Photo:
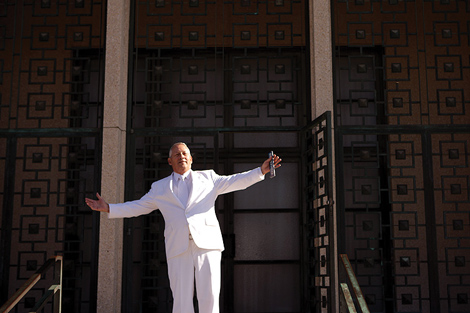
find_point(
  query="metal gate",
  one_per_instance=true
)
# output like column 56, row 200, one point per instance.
column 405, row 209
column 401, row 133
column 51, row 102
column 229, row 78
column 302, row 265
column 45, row 179
column 319, row 237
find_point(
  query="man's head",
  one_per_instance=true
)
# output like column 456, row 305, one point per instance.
column 180, row 158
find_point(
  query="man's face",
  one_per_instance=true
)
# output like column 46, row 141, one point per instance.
column 180, row 159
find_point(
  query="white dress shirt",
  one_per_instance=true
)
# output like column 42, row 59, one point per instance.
column 183, row 186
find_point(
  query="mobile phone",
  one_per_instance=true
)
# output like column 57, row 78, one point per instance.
column 272, row 170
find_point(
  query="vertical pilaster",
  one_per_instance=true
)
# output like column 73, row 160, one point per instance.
column 321, row 53
column 113, row 160
column 322, row 99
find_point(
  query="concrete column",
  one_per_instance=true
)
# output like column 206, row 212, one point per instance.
column 321, row 53
column 114, row 151
column 322, row 99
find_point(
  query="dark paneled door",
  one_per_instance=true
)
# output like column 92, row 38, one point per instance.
column 229, row 79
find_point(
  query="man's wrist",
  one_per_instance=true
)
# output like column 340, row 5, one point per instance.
column 261, row 172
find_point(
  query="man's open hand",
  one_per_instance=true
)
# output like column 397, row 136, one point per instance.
column 98, row 205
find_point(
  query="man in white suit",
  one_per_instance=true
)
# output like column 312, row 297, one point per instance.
column 193, row 240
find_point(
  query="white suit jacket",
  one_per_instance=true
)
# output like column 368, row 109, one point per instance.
column 198, row 217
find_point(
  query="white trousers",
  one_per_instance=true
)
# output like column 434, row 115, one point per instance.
column 202, row 266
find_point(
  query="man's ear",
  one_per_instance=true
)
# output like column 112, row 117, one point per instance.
column 169, row 161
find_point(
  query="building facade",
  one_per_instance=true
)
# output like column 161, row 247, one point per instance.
column 367, row 102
